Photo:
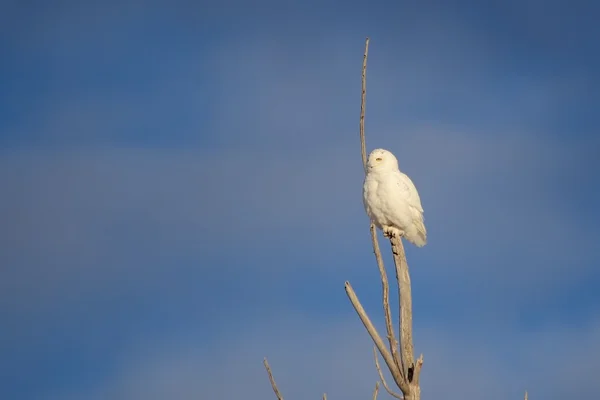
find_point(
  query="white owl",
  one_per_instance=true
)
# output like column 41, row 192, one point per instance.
column 391, row 199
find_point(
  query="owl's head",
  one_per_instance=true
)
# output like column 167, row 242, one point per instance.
column 381, row 160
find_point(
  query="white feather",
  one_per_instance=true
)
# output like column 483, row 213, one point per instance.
column 391, row 199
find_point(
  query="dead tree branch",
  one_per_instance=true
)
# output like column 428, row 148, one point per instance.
column 404, row 369
column 363, row 103
column 376, row 391
column 387, row 357
column 273, row 384
column 410, row 369
column 391, row 336
column 400, row 356
column 382, row 378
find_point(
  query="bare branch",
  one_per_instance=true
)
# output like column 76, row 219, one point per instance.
column 376, row 391
column 273, row 384
column 382, row 378
column 417, row 372
column 405, row 300
column 391, row 336
column 402, row 367
column 387, row 357
column 526, row 395
column 363, row 101
column 324, row 396
column 389, row 326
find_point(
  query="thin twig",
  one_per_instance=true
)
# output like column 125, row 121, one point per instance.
column 526, row 395
column 389, row 325
column 376, row 391
column 381, row 377
column 391, row 336
column 324, row 396
column 363, row 101
column 273, row 384
column 387, row 357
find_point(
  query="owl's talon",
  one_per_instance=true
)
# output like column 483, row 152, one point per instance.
column 390, row 232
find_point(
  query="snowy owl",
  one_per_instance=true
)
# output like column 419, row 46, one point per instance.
column 391, row 199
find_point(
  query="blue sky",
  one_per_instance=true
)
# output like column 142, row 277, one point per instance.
column 181, row 196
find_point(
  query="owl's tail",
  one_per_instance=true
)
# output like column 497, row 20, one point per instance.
column 417, row 234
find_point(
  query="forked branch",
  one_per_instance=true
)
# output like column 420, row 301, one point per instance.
column 387, row 357
column 381, row 377
column 393, row 343
column 403, row 367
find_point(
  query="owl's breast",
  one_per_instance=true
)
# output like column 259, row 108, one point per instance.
column 374, row 202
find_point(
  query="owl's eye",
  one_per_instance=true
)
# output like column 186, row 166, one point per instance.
column 378, row 159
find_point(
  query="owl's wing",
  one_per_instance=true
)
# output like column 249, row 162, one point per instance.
column 409, row 191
